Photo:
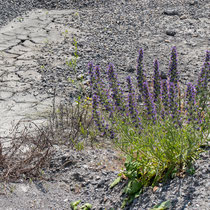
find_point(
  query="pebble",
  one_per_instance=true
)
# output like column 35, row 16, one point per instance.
column 80, row 76
column 171, row 12
column 101, row 183
column 170, row 33
column 183, row 17
column 194, row 2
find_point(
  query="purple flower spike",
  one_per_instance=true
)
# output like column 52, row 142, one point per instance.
column 162, row 114
column 191, row 107
column 133, row 112
column 117, row 93
column 97, row 72
column 131, row 99
column 95, row 112
column 151, row 110
column 111, row 76
column 164, row 94
column 156, row 81
column 207, row 59
column 190, row 93
column 202, row 83
column 112, row 134
column 172, row 100
column 173, row 72
column 204, row 75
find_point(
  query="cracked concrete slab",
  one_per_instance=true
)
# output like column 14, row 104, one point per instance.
column 20, row 44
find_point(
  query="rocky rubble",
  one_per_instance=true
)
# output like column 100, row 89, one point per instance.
column 33, row 65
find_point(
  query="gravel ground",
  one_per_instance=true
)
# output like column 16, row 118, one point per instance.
column 87, row 176
column 12, row 8
column 113, row 31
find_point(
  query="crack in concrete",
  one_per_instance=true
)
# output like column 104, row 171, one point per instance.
column 20, row 43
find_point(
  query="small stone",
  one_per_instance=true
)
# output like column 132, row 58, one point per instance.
column 83, row 184
column 104, row 173
column 24, row 188
column 170, row 12
column 80, row 77
column 85, row 166
column 86, row 82
column 196, row 183
column 167, row 41
column 183, row 17
column 193, row 44
column 170, row 33
column 101, row 184
column 192, row 3
column 78, row 177
column 87, row 183
column 163, row 75
column 88, row 49
column 105, row 199
column 130, row 69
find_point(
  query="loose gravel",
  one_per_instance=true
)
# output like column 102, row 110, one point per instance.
column 113, row 31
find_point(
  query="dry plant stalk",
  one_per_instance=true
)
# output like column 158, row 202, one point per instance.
column 27, row 153
column 65, row 123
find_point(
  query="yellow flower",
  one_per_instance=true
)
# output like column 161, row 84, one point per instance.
column 88, row 99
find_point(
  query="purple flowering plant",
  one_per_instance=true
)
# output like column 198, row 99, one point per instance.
column 156, row 82
column 156, row 133
column 202, row 86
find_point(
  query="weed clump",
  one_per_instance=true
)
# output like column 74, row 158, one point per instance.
column 26, row 153
column 161, row 128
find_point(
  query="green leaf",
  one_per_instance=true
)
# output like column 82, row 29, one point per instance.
column 133, row 187
column 162, row 206
column 129, row 200
column 125, row 201
column 115, row 182
column 86, row 206
column 74, row 204
column 82, row 129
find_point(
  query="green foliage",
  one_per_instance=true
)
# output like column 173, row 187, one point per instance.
column 86, row 206
column 159, row 148
column 74, row 205
column 79, row 146
column 115, row 182
column 162, row 137
column 162, row 206
column 159, row 152
column 73, row 62
column 190, row 170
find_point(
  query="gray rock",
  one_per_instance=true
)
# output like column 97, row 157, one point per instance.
column 193, row 2
column 80, row 76
column 101, row 184
column 171, row 12
column 170, row 32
